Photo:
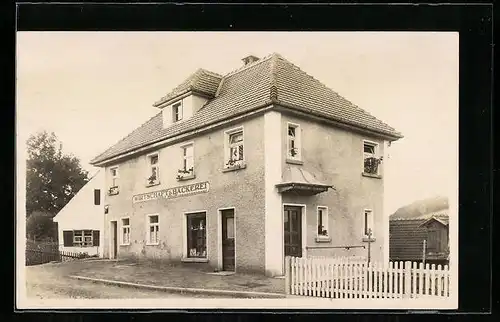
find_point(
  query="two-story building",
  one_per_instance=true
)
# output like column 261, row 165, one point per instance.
column 241, row 170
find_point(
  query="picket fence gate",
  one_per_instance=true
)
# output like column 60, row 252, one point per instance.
column 340, row 279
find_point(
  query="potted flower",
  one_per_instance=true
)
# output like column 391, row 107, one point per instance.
column 233, row 163
column 184, row 173
column 371, row 165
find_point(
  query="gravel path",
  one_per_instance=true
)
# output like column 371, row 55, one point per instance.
column 50, row 281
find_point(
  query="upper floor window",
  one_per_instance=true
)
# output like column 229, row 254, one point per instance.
column 177, row 112
column 371, row 160
column 114, row 176
column 153, row 174
column 97, row 197
column 187, row 168
column 234, row 148
column 113, row 190
column 293, row 142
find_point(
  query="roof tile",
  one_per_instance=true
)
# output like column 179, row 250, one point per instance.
column 265, row 81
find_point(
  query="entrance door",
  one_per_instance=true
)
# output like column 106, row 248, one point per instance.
column 114, row 241
column 293, row 231
column 228, row 240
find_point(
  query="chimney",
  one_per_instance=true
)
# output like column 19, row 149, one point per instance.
column 250, row 59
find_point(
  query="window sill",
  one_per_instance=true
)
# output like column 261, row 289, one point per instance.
column 125, row 244
column 152, row 244
column 186, row 177
column 366, row 239
column 294, row 161
column 370, row 175
column 152, row 184
column 234, row 167
column 323, row 239
column 194, row 260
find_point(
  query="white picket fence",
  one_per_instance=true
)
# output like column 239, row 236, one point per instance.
column 339, row 259
column 335, row 278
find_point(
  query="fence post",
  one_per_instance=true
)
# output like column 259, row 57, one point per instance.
column 407, row 278
column 287, row 275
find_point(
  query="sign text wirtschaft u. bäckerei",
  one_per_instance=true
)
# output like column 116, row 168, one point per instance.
column 175, row 192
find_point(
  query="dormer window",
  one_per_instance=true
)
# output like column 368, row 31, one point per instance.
column 177, row 112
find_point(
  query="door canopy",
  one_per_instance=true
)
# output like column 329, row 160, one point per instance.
column 301, row 182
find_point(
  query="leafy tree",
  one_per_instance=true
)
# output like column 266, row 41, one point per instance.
column 39, row 226
column 52, row 177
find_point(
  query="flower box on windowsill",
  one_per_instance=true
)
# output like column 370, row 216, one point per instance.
column 113, row 191
column 236, row 166
column 323, row 239
column 185, row 177
column 371, row 175
column 194, row 260
column 367, row 239
column 152, row 183
column 294, row 161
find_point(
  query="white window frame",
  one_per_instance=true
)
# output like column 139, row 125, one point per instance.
column 186, row 242
column 325, row 221
column 150, row 167
column 375, row 155
column 370, row 221
column 122, row 231
column 228, row 146
column 297, row 142
column 82, row 242
column 184, row 157
column 180, row 111
column 114, row 178
column 149, row 224
column 77, row 243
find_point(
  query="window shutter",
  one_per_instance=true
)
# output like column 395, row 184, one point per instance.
column 240, row 152
column 97, row 197
column 95, row 237
column 68, row 238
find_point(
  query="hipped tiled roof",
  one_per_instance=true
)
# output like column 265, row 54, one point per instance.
column 269, row 81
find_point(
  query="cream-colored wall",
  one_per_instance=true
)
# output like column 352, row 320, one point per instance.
column 273, row 205
column 242, row 189
column 335, row 156
column 80, row 213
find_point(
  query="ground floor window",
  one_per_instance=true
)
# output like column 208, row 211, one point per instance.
column 81, row 238
column 154, row 230
column 125, row 231
column 196, row 235
column 368, row 224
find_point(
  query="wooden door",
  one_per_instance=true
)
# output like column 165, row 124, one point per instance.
column 293, row 231
column 228, row 239
column 114, row 239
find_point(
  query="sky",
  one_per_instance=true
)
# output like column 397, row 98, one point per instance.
column 94, row 88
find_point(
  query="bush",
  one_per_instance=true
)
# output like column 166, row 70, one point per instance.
column 40, row 227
